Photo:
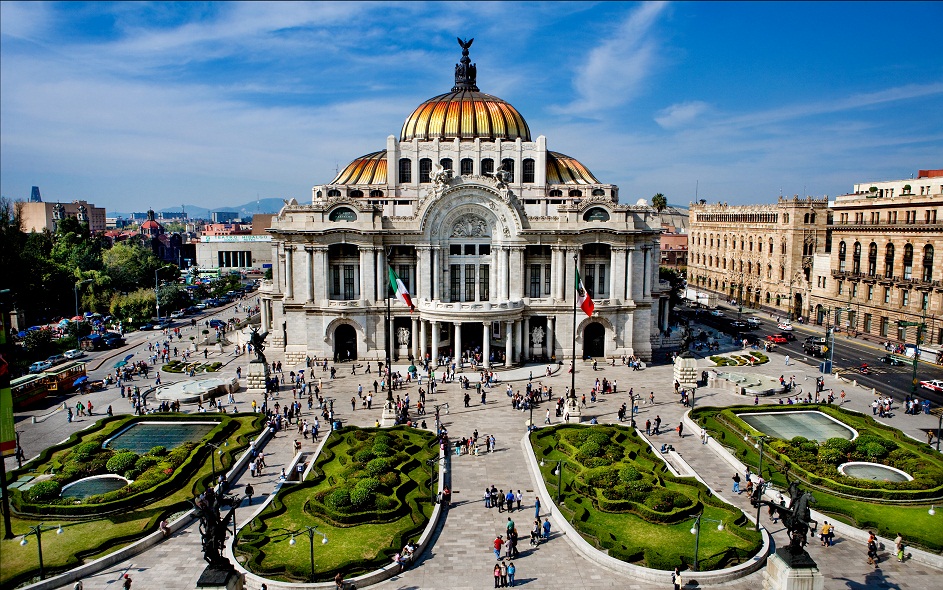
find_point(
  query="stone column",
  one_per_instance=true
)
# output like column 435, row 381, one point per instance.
column 368, row 274
column 435, row 343
column 516, row 274
column 630, row 274
column 424, row 273
column 517, row 342
column 550, row 348
column 289, row 273
column 321, row 272
column 276, row 268
column 508, row 343
column 486, row 347
column 414, row 336
column 569, row 287
column 422, row 340
column 525, row 340
column 382, row 274
column 616, row 282
column 309, row 274
column 457, row 345
column 556, row 272
column 505, row 278
column 265, row 315
column 436, row 273
column 646, row 273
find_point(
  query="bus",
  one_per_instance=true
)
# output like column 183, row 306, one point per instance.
column 208, row 273
column 30, row 389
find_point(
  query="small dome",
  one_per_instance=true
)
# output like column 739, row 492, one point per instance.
column 641, row 203
column 368, row 169
column 562, row 169
column 465, row 114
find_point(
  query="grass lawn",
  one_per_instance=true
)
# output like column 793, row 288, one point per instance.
column 84, row 540
column 883, row 516
column 362, row 537
column 622, row 499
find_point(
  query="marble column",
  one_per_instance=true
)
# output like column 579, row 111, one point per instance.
column 436, row 264
column 368, row 274
column 458, row 343
column 414, row 335
column 265, row 315
column 276, row 269
column 289, row 273
column 382, row 274
column 424, row 273
column 550, row 347
column 616, row 273
column 516, row 274
column 423, row 342
column 435, row 343
column 517, row 342
column 508, row 343
column 321, row 273
column 486, row 347
column 646, row 273
column 309, row 274
column 630, row 274
column 505, row 278
column 572, row 262
column 525, row 340
column 556, row 272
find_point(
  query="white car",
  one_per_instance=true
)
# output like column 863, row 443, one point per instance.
column 754, row 323
column 75, row 353
column 201, row 305
column 178, row 314
column 717, row 313
column 934, row 385
column 784, row 326
column 39, row 366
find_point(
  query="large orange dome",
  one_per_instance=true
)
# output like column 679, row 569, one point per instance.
column 465, row 114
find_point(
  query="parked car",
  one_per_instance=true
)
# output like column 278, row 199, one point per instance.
column 39, row 366
column 201, row 305
column 55, row 359
column 114, row 341
column 932, row 385
column 784, row 326
column 75, row 353
column 776, row 339
column 739, row 325
column 891, row 360
column 178, row 314
column 147, row 326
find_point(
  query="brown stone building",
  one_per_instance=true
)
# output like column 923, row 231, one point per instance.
column 882, row 266
column 759, row 255
column 38, row 216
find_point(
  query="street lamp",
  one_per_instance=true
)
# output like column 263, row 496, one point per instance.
column 431, row 464
column 75, row 288
column 38, row 531
column 157, row 288
column 213, row 455
column 758, row 445
column 310, row 530
column 438, row 408
column 696, row 531
column 558, row 471
column 920, row 326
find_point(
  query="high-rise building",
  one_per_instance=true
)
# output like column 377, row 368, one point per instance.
column 34, row 196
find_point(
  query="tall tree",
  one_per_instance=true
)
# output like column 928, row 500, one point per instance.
column 659, row 202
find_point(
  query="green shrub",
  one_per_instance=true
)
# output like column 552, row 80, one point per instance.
column 144, row 463
column 830, row 456
column 378, row 466
column 874, row 451
column 132, row 474
column 158, row 451
column 809, row 447
column 45, row 491
column 84, row 451
column 599, row 437
column 364, row 456
column 339, row 499
column 389, row 480
column 629, row 474
column 361, row 498
column 382, row 450
column 370, row 484
column 842, row 445
column 121, row 462
column 660, row 501
column 589, row 449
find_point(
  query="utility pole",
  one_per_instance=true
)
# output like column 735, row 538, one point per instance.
column 920, row 326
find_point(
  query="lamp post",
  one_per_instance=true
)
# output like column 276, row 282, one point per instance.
column 920, row 326
column 438, row 408
column 75, row 288
column 38, row 531
column 213, row 455
column 696, row 531
column 157, row 288
column 758, row 445
column 558, row 471
column 431, row 464
column 311, row 531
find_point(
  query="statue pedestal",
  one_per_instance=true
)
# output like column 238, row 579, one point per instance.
column 389, row 415
column 786, row 572
column 221, row 578
column 256, row 376
column 573, row 411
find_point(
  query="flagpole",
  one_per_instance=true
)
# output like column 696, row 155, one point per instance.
column 389, row 335
column 575, row 293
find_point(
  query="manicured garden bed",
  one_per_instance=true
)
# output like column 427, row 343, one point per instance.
column 196, row 366
column 369, row 492
column 752, row 358
column 164, row 481
column 622, row 499
column 888, row 506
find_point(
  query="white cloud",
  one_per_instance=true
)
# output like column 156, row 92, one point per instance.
column 681, row 114
column 613, row 72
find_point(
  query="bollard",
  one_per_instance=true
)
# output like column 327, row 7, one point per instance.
column 874, row 391
column 33, row 420
column 854, row 383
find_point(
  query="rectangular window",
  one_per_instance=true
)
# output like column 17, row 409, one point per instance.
column 484, row 287
column 939, row 336
column 467, row 166
column 535, row 280
column 406, row 275
column 884, row 327
column 590, row 280
column 867, row 323
column 455, row 282
column 455, row 250
column 349, row 281
column 870, row 292
column 887, row 295
column 425, row 170
column 904, row 297
column 469, row 282
column 854, row 289
column 405, row 171
column 841, row 287
column 528, row 171
column 335, row 281
column 902, row 333
column 547, row 268
column 469, row 249
column 484, row 249
column 925, row 302
column 602, row 279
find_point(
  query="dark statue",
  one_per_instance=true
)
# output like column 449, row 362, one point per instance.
column 214, row 527
column 258, row 344
column 797, row 518
column 465, row 71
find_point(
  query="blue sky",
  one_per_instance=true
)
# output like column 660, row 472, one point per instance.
column 136, row 105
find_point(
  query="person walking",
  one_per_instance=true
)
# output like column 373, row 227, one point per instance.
column 676, row 579
column 537, row 507
column 546, row 528
column 680, row 429
column 872, row 549
column 498, row 543
column 899, row 547
column 736, row 483
column 518, row 497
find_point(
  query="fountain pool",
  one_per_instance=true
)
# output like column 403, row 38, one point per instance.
column 810, row 424
column 141, row 437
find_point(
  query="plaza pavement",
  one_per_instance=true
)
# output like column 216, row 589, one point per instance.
column 460, row 555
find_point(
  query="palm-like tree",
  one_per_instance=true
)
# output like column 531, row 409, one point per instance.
column 659, row 202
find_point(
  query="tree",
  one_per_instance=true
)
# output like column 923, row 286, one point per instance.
column 130, row 266
column 135, row 307
column 172, row 297
column 659, row 202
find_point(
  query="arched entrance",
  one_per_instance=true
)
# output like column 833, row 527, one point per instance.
column 594, row 340
column 819, row 314
column 797, row 307
column 345, row 343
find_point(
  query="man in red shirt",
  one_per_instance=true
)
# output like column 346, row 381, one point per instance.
column 498, row 543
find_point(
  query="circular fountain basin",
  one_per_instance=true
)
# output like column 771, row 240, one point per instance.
column 92, row 486
column 874, row 471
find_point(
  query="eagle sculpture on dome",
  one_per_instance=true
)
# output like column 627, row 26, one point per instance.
column 465, row 44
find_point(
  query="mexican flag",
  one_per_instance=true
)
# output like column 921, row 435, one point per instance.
column 583, row 300
column 399, row 288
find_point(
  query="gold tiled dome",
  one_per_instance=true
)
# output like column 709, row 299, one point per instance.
column 562, row 169
column 368, row 169
column 465, row 114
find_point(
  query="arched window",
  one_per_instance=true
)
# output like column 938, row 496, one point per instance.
column 749, row 267
column 446, row 163
column 356, row 194
column 872, row 259
column 725, row 264
column 889, row 261
column 405, row 170
column 507, row 165
column 842, row 252
column 927, row 263
column 771, row 245
column 487, row 166
column 812, row 217
column 908, row 261
column 376, row 194
column 468, row 166
column 575, row 193
column 759, row 247
column 598, row 192
column 527, row 171
column 333, row 193
column 555, row 193
column 725, row 242
column 856, row 258
column 596, row 214
column 751, row 244
column 343, row 214
column 769, row 271
column 805, row 218
column 425, row 170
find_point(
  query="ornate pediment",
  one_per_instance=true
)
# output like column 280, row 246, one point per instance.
column 469, row 226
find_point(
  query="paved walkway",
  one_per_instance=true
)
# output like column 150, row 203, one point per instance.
column 461, row 555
